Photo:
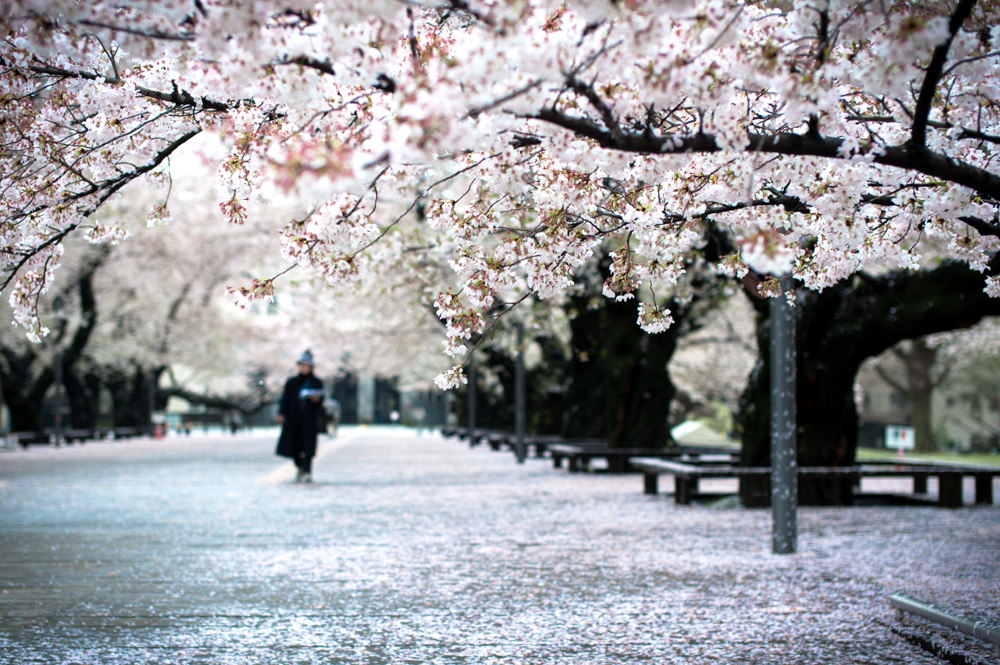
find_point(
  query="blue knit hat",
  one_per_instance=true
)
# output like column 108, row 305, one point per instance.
column 307, row 359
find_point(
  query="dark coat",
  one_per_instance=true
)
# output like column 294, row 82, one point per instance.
column 302, row 418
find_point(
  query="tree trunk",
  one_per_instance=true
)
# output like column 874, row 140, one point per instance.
column 619, row 387
column 827, row 420
column 919, row 361
column 24, row 388
column 918, row 364
column 130, row 397
column 23, row 391
column 921, row 414
column 83, row 393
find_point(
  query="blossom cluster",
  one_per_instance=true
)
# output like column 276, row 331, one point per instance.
column 821, row 138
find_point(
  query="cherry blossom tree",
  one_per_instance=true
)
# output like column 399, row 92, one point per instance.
column 128, row 312
column 159, row 322
column 518, row 139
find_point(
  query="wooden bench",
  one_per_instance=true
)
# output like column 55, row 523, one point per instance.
column 49, row 437
column 488, row 436
column 473, row 436
column 25, row 439
column 540, row 442
column 579, row 455
column 79, row 435
column 572, row 452
column 460, row 433
column 498, row 440
column 495, row 440
column 113, row 433
column 686, row 476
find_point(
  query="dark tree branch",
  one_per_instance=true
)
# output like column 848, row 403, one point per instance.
column 322, row 66
column 937, row 165
column 88, row 310
column 607, row 116
column 965, row 135
column 935, row 70
column 893, row 382
column 982, row 226
column 160, row 36
column 176, row 96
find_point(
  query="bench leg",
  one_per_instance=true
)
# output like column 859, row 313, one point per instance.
column 984, row 488
column 574, row 464
column 950, row 490
column 650, row 483
column 755, row 490
column 556, row 462
column 684, row 487
column 920, row 483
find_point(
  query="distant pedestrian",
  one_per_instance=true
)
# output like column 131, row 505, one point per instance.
column 301, row 418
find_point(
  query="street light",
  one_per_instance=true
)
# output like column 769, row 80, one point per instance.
column 262, row 391
column 520, row 396
column 784, row 478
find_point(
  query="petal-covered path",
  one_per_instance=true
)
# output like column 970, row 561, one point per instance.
column 415, row 549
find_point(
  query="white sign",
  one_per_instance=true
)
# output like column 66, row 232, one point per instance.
column 900, row 438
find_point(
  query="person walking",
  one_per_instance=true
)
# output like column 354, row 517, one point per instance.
column 300, row 416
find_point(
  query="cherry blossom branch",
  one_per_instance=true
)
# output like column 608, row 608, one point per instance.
column 514, row 94
column 966, row 133
column 322, row 66
column 607, row 115
column 176, row 96
column 935, row 70
column 905, row 156
column 150, row 34
column 982, row 226
column 508, row 308
column 104, row 191
column 976, row 58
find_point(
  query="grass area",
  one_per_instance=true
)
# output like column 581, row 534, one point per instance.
column 986, row 459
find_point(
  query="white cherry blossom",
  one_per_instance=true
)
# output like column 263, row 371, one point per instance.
column 514, row 142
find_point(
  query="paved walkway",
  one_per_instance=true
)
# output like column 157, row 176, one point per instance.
column 413, row 549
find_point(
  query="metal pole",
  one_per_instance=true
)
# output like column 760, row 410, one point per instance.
column 520, row 406
column 152, row 403
column 979, row 629
column 59, row 399
column 784, row 482
column 472, row 402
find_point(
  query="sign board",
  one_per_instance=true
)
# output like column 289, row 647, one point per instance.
column 899, row 438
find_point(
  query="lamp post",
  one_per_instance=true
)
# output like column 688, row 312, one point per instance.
column 520, row 397
column 58, row 421
column 471, row 406
column 784, row 476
